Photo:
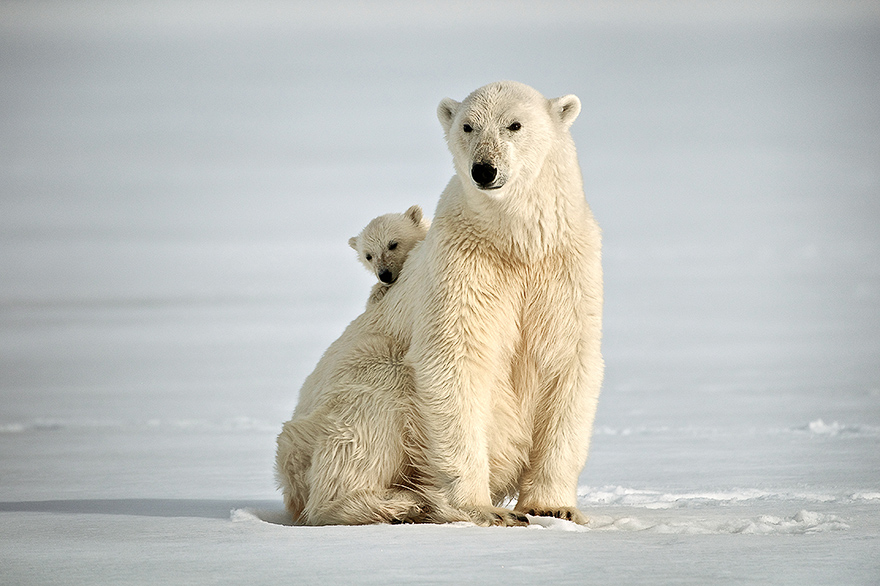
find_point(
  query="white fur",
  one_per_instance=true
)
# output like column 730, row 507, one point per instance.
column 476, row 378
column 384, row 244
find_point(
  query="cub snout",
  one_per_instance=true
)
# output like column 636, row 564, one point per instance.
column 386, row 276
column 484, row 175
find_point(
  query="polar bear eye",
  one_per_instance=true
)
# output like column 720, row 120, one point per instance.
column 392, row 245
column 467, row 128
column 369, row 257
column 514, row 127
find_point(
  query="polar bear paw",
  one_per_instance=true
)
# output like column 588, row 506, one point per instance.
column 413, row 514
column 497, row 517
column 567, row 513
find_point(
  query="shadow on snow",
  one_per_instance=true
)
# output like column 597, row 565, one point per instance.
column 266, row 510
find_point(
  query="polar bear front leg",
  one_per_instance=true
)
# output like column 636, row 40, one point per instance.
column 561, row 440
column 460, row 356
column 451, row 415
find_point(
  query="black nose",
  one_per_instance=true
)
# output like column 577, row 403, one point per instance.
column 386, row 276
column 483, row 173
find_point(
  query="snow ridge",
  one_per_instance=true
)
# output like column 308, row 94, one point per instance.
column 801, row 523
column 817, row 427
column 589, row 497
column 237, row 424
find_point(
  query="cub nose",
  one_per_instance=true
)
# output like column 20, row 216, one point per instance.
column 483, row 173
column 385, row 276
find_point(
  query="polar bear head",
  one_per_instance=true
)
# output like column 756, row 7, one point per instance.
column 501, row 134
column 385, row 242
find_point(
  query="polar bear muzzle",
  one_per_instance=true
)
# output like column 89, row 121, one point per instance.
column 484, row 175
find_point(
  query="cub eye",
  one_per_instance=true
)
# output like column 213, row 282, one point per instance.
column 467, row 128
column 392, row 245
column 369, row 257
column 514, row 127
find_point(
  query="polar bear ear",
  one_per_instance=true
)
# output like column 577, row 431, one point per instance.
column 353, row 242
column 566, row 109
column 415, row 214
column 446, row 112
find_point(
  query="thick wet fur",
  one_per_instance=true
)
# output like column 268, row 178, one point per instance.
column 474, row 380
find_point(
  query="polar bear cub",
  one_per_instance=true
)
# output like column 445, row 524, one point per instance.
column 383, row 245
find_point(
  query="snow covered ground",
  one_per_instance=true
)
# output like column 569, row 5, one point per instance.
column 177, row 185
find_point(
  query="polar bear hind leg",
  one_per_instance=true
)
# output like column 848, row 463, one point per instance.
column 351, row 482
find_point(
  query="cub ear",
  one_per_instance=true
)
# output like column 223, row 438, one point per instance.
column 566, row 109
column 414, row 214
column 446, row 112
column 353, row 242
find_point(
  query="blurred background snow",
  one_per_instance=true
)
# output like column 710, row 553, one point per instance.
column 178, row 181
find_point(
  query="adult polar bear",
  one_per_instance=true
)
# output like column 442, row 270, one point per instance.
column 480, row 369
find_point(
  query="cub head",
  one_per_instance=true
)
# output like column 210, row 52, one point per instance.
column 387, row 240
column 502, row 132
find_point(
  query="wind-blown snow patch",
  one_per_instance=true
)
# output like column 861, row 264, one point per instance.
column 816, row 427
column 590, row 497
column 241, row 423
column 247, row 515
column 801, row 523
column 650, row 499
column 44, row 425
column 244, row 516
column 833, row 429
column 554, row 524
column 12, row 427
column 232, row 424
column 866, row 496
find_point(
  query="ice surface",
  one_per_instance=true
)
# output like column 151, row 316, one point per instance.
column 178, row 182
